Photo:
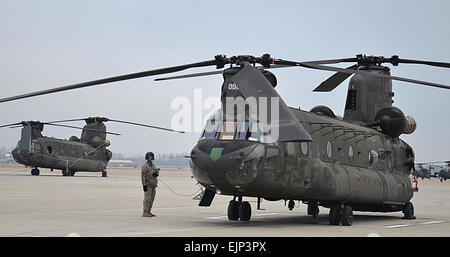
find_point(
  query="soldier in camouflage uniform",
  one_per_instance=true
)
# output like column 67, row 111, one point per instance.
column 149, row 175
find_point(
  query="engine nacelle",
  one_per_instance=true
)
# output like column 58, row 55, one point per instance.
column 324, row 110
column 410, row 125
column 270, row 77
column 393, row 122
column 98, row 141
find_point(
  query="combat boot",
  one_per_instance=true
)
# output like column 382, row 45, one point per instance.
column 147, row 214
column 152, row 215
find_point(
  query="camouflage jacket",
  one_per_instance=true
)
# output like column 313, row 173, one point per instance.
column 147, row 177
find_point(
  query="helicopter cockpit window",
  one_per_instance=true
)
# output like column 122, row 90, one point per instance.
column 304, row 146
column 291, row 149
column 35, row 147
column 271, row 158
column 210, row 130
column 242, row 131
column 228, row 131
column 233, row 131
column 255, row 132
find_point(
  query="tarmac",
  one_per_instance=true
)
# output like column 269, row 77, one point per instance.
column 89, row 205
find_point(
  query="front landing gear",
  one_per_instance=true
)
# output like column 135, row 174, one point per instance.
column 104, row 174
column 233, row 210
column 408, row 211
column 35, row 172
column 238, row 210
column 245, row 211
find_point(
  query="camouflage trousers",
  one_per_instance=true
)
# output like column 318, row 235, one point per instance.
column 149, row 197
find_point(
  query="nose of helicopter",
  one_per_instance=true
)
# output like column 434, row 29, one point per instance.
column 18, row 154
column 226, row 166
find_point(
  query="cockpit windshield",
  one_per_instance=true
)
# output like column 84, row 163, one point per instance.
column 251, row 131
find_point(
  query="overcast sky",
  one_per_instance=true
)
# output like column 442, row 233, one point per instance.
column 45, row 44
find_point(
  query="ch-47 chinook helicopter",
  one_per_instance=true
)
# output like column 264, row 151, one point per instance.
column 87, row 153
column 357, row 163
column 421, row 172
column 444, row 173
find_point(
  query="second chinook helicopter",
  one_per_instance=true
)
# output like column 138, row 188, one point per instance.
column 357, row 163
column 421, row 172
column 87, row 153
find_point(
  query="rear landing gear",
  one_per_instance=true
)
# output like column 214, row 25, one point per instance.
column 408, row 211
column 68, row 173
column 313, row 209
column 35, row 172
column 347, row 216
column 341, row 215
column 238, row 210
column 335, row 215
column 104, row 174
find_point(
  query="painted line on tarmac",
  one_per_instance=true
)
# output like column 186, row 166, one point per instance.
column 398, row 226
column 432, row 222
column 416, row 224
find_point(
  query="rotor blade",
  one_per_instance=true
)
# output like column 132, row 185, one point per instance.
column 201, row 74
column 335, row 80
column 67, row 126
column 437, row 64
column 12, row 124
column 59, row 121
column 273, row 66
column 377, row 75
column 16, row 126
column 145, row 125
column 333, row 61
column 114, row 79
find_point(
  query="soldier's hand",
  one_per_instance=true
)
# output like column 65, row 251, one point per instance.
column 145, row 188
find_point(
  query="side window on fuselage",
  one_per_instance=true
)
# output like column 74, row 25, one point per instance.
column 272, row 160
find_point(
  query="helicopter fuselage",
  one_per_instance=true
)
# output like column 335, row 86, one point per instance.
column 53, row 153
column 345, row 163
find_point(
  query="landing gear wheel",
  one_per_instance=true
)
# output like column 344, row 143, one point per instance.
column 104, row 174
column 335, row 215
column 68, row 173
column 233, row 210
column 408, row 211
column 35, row 172
column 347, row 216
column 313, row 209
column 245, row 211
